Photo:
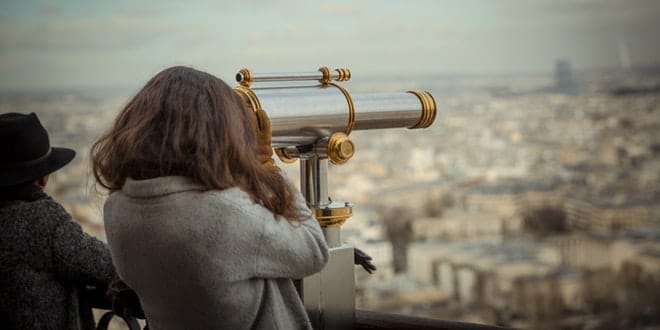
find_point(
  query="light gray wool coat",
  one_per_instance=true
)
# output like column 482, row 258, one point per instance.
column 209, row 259
column 45, row 258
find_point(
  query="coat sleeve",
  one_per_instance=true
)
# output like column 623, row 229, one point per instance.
column 291, row 249
column 260, row 244
column 79, row 257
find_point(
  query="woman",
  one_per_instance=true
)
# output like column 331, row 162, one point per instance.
column 46, row 261
column 200, row 223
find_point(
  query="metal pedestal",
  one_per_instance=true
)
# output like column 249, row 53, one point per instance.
column 329, row 296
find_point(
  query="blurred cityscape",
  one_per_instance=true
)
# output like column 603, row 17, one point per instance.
column 533, row 201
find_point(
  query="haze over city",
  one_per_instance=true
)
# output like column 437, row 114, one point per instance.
column 69, row 44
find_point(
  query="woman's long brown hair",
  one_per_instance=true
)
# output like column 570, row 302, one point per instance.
column 189, row 123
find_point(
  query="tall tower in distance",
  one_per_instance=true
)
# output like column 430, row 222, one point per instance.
column 564, row 79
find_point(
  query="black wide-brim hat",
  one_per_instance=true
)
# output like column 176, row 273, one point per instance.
column 25, row 151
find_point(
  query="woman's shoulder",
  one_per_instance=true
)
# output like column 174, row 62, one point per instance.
column 235, row 202
column 228, row 194
column 233, row 197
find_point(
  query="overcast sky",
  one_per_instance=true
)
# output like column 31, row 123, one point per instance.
column 121, row 43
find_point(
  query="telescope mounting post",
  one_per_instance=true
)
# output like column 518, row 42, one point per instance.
column 329, row 296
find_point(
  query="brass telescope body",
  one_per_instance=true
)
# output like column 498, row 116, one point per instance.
column 313, row 123
column 303, row 115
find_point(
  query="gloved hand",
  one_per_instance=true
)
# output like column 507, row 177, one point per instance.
column 261, row 125
column 363, row 260
column 125, row 302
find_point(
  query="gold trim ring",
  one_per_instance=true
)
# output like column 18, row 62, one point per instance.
column 282, row 155
column 429, row 109
column 351, row 108
column 246, row 77
column 343, row 74
column 334, row 217
column 326, row 75
column 249, row 95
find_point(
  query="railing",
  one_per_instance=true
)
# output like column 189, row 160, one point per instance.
column 364, row 320
column 131, row 322
column 370, row 320
column 97, row 298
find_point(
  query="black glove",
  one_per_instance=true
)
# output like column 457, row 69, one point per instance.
column 364, row 260
column 125, row 302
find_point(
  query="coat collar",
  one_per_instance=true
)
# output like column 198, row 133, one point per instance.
column 159, row 186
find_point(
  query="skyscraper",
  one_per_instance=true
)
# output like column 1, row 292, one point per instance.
column 564, row 79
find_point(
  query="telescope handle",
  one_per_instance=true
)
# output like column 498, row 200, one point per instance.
column 324, row 75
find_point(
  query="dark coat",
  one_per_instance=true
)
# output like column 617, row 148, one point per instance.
column 45, row 261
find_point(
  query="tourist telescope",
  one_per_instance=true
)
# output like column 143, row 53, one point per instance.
column 300, row 114
column 312, row 116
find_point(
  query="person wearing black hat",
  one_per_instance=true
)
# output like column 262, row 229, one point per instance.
column 46, row 260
